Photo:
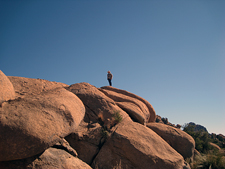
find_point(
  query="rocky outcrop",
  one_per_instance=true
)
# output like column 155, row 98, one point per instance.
column 53, row 125
column 97, row 104
column 138, row 108
column 176, row 138
column 164, row 120
column 87, row 140
column 56, row 158
column 27, row 86
column 51, row 158
column 133, row 145
column 37, row 122
column 6, row 89
column 220, row 139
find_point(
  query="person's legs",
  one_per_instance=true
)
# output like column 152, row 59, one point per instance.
column 110, row 82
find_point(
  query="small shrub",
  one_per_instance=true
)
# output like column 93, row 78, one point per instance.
column 118, row 166
column 100, row 116
column 165, row 120
column 118, row 118
column 104, row 133
column 211, row 160
column 157, row 120
column 215, row 161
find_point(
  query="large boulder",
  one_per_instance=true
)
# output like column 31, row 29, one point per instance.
column 51, row 158
column 215, row 146
column 31, row 124
column 133, row 145
column 87, row 140
column 182, row 142
column 138, row 108
column 97, row 104
column 27, row 86
column 6, row 89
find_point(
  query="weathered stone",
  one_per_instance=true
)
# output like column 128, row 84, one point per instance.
column 163, row 120
column 31, row 124
column 133, row 145
column 182, row 142
column 7, row 91
column 97, row 104
column 86, row 140
column 63, row 144
column 51, row 158
column 119, row 96
column 134, row 111
column 28, row 86
column 178, row 126
column 44, row 112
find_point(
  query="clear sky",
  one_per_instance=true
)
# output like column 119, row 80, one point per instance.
column 170, row 52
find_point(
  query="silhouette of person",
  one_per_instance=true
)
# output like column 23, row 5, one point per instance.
column 109, row 78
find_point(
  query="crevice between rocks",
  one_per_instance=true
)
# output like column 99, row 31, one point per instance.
column 64, row 145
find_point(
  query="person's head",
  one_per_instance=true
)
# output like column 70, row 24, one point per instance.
column 109, row 72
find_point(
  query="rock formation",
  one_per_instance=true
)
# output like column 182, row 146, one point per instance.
column 176, row 138
column 138, row 108
column 52, row 158
column 27, row 86
column 97, row 104
column 87, row 141
column 6, row 89
column 135, row 146
column 35, row 122
column 52, row 125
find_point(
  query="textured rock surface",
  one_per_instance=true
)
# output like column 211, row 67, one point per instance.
column 44, row 114
column 31, row 124
column 97, row 104
column 56, row 158
column 27, row 86
column 52, row 158
column 86, row 140
column 143, row 113
column 176, row 138
column 133, row 145
column 136, row 109
column 6, row 88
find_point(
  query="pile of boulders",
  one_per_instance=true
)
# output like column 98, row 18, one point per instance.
column 47, row 124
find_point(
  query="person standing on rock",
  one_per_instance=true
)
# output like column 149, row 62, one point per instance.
column 109, row 77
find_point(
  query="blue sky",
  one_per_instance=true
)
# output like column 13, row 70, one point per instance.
column 170, row 52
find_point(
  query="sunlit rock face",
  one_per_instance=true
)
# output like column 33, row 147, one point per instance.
column 7, row 91
column 37, row 120
column 176, row 138
column 133, row 145
column 46, row 124
column 138, row 108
